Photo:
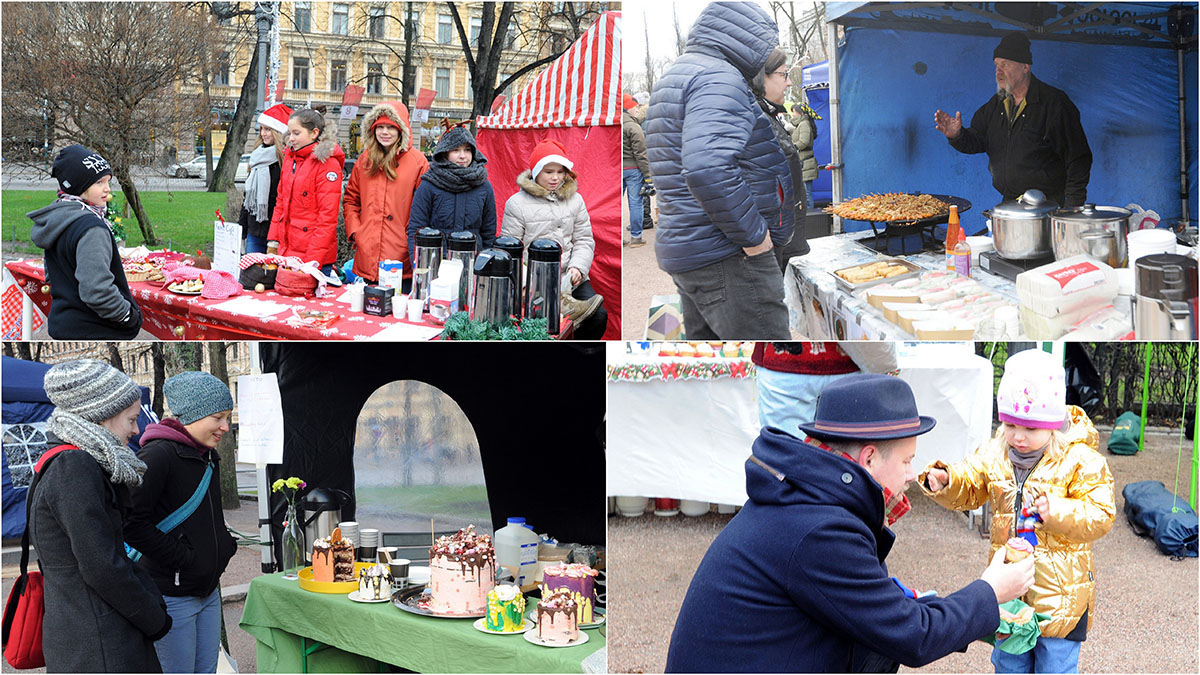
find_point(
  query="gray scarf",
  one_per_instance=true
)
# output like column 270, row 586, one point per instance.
column 117, row 460
column 258, row 183
column 1023, row 463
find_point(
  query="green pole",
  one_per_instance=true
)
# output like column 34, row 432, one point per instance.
column 1145, row 395
column 1195, row 436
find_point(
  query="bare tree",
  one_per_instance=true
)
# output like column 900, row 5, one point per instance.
column 106, row 75
column 159, row 364
column 649, row 59
column 552, row 33
column 114, row 356
column 680, row 42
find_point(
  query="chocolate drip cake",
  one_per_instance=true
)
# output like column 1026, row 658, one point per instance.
column 558, row 618
column 462, row 570
column 333, row 558
column 375, row 582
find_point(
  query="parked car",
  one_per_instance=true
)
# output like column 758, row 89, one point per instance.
column 195, row 168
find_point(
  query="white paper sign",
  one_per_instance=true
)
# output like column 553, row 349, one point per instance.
column 227, row 247
column 420, row 115
column 260, row 419
column 349, row 112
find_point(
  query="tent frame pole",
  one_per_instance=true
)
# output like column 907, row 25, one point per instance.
column 835, row 123
column 264, row 493
column 1183, row 156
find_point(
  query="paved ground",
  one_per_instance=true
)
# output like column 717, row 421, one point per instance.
column 1146, row 608
column 641, row 279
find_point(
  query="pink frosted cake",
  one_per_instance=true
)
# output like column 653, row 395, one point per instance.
column 462, row 570
column 578, row 580
column 557, row 618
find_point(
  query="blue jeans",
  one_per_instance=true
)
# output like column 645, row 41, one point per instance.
column 632, row 183
column 1049, row 655
column 738, row 297
column 194, row 640
column 256, row 244
column 787, row 400
column 808, row 194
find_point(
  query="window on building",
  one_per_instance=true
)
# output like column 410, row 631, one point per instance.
column 303, row 16
column 341, row 19
column 441, row 83
column 300, row 73
column 510, row 35
column 414, row 22
column 476, row 29
column 337, row 76
column 445, row 29
column 375, row 24
column 415, row 84
column 221, row 76
column 558, row 6
column 374, row 78
column 223, row 12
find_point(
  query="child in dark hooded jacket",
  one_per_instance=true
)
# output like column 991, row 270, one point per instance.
column 90, row 298
column 455, row 195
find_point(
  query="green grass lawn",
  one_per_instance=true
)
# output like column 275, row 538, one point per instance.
column 182, row 220
column 464, row 500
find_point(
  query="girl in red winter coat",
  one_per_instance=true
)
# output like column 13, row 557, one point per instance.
column 304, row 223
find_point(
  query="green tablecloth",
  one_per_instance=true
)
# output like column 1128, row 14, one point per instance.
column 278, row 613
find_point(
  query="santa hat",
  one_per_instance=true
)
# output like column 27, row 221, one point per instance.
column 276, row 117
column 547, row 152
column 628, row 102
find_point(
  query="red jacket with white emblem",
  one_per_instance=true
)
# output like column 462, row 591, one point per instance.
column 310, row 193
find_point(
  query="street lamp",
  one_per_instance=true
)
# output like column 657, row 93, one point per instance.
column 263, row 15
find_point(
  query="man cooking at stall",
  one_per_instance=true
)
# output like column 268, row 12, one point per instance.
column 1029, row 130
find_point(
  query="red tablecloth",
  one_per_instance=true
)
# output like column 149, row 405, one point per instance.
column 170, row 316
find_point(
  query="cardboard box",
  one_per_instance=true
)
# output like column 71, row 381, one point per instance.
column 943, row 329
column 876, row 297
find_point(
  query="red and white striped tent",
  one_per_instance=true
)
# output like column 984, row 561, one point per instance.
column 576, row 100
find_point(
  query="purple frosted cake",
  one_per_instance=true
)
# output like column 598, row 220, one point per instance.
column 579, row 580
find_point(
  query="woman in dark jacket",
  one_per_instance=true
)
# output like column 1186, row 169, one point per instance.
column 455, row 195
column 262, row 184
column 187, row 561
column 102, row 613
column 769, row 86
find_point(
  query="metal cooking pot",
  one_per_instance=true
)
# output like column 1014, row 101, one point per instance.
column 1097, row 231
column 1021, row 227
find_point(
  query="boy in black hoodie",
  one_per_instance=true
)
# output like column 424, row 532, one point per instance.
column 90, row 298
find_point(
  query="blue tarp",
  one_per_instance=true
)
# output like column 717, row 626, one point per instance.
column 893, row 80
column 816, row 88
column 26, row 405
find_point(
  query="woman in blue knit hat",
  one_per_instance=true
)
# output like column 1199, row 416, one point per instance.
column 182, row 479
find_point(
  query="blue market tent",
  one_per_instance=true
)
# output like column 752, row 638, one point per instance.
column 816, row 88
column 1130, row 68
column 25, row 410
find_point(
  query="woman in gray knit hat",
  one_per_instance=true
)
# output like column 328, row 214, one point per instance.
column 102, row 613
column 186, row 562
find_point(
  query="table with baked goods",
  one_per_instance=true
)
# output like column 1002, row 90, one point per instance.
column 258, row 316
column 820, row 307
column 340, row 635
column 688, row 437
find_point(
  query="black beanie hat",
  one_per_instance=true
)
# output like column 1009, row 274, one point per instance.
column 78, row 168
column 1014, row 47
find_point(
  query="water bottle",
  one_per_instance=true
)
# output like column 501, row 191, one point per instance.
column 516, row 549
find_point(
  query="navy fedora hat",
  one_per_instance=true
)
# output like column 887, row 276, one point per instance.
column 867, row 407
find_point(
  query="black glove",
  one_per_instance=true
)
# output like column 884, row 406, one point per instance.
column 134, row 318
column 647, row 189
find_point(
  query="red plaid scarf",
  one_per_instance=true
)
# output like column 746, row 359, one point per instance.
column 894, row 506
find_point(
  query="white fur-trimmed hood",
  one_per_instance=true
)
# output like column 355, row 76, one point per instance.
column 569, row 187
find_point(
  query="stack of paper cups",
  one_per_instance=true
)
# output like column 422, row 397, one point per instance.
column 370, row 543
column 1150, row 242
column 349, row 531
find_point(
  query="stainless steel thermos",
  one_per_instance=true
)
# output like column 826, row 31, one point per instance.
column 427, row 258
column 542, row 287
column 492, row 299
column 515, row 250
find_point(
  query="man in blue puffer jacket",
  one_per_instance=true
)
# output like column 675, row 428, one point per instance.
column 721, row 179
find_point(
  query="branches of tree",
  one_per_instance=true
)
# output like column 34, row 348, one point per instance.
column 105, row 75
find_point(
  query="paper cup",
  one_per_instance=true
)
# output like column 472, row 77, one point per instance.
column 399, row 306
column 416, row 307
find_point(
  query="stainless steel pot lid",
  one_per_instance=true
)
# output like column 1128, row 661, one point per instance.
column 1033, row 205
column 1090, row 213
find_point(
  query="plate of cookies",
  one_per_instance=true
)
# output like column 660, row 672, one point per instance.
column 188, row 287
column 875, row 272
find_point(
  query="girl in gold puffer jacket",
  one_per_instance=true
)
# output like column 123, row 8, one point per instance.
column 1043, row 457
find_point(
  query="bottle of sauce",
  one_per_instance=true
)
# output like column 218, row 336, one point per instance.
column 952, row 231
column 962, row 254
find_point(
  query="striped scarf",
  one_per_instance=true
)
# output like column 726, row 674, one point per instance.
column 894, row 506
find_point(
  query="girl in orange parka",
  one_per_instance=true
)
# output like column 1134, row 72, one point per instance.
column 380, row 191
column 304, row 223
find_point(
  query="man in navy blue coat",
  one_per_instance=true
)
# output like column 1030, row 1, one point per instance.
column 721, row 178
column 796, row 582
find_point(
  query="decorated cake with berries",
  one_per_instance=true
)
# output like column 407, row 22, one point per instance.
column 462, row 571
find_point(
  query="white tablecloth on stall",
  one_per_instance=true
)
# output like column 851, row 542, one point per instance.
column 689, row 439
